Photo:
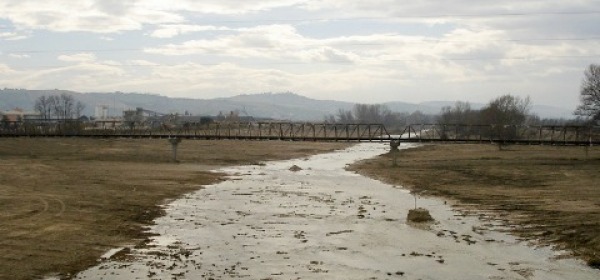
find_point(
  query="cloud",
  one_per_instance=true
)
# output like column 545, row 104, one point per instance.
column 261, row 41
column 98, row 16
column 13, row 36
column 80, row 57
column 343, row 49
column 111, row 16
column 5, row 70
column 222, row 7
column 19, row 56
column 172, row 30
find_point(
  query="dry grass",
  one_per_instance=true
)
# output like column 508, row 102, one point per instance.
column 64, row 202
column 551, row 193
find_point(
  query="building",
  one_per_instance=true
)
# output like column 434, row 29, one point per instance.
column 18, row 114
column 101, row 112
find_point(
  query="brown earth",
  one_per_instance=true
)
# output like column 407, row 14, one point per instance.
column 65, row 202
column 547, row 194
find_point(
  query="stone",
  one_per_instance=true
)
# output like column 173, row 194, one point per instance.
column 295, row 168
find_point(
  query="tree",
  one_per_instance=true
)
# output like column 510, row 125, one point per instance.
column 345, row 117
column 590, row 94
column 68, row 105
column 459, row 118
column 5, row 122
column 367, row 113
column 44, row 107
column 61, row 106
column 461, row 113
column 506, row 110
column 504, row 114
column 79, row 109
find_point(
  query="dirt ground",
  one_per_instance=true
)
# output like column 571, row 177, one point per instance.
column 65, row 202
column 547, row 194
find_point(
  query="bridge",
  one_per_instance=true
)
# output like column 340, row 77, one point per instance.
column 442, row 133
column 239, row 131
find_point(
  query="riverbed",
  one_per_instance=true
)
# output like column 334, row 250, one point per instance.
column 318, row 221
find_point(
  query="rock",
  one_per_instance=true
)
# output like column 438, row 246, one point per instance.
column 295, row 168
column 419, row 215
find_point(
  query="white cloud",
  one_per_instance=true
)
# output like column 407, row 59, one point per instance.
column 261, row 41
column 346, row 49
column 19, row 56
column 82, row 15
column 172, row 30
column 80, row 57
column 6, row 70
column 13, row 36
column 222, row 7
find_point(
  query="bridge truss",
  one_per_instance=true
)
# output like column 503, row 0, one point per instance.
column 447, row 133
column 249, row 131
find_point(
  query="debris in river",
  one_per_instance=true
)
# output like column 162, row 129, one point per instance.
column 295, row 168
column 419, row 215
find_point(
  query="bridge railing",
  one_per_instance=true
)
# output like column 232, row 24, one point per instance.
column 251, row 130
column 525, row 134
column 519, row 134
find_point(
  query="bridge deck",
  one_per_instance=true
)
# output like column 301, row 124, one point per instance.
column 436, row 133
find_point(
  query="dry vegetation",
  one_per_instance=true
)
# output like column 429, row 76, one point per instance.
column 551, row 193
column 64, row 202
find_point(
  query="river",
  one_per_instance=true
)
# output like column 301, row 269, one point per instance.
column 322, row 222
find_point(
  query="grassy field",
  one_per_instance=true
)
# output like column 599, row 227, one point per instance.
column 550, row 194
column 64, row 202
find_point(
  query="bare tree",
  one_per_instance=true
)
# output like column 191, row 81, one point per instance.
column 43, row 107
column 79, row 109
column 506, row 110
column 330, row 119
column 61, row 106
column 67, row 105
column 370, row 113
column 5, row 123
column 345, row 117
column 590, row 94
column 461, row 113
column 56, row 106
column 461, row 116
column 504, row 114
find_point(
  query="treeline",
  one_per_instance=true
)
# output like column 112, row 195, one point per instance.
column 506, row 110
column 378, row 114
column 62, row 107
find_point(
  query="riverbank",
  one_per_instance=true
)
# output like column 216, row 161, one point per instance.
column 65, row 202
column 310, row 218
column 547, row 194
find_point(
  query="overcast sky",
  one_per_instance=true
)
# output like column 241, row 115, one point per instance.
column 353, row 50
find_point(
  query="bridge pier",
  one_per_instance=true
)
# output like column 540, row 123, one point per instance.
column 174, row 144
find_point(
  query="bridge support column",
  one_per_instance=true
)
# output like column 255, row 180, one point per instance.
column 394, row 144
column 174, row 144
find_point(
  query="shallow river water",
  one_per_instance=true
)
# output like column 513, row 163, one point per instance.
column 323, row 222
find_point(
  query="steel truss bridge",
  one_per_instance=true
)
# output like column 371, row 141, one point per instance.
column 502, row 134
column 240, row 131
column 443, row 133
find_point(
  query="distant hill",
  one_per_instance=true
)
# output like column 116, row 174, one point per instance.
column 284, row 106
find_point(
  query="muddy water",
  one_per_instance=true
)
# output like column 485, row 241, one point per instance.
column 325, row 223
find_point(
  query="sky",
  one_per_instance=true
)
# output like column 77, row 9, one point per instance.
column 365, row 51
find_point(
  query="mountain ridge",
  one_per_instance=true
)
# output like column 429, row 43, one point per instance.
column 285, row 105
